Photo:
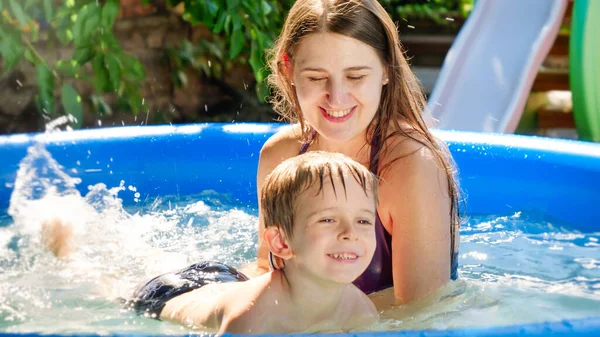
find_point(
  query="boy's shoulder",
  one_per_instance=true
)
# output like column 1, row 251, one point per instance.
column 362, row 311
column 243, row 311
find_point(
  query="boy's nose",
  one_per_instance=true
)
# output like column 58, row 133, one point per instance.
column 348, row 232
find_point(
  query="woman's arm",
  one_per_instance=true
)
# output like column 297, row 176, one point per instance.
column 414, row 197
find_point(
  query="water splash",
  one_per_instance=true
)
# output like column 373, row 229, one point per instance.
column 116, row 247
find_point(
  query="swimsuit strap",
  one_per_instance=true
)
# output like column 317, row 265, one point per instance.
column 305, row 145
column 374, row 166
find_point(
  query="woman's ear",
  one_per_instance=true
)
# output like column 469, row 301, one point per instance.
column 386, row 76
column 277, row 243
column 287, row 69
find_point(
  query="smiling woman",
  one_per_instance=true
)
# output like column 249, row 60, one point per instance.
column 339, row 74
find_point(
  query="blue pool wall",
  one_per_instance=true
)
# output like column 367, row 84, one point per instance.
column 498, row 174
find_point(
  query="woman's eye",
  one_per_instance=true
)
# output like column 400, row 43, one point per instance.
column 356, row 78
column 316, row 79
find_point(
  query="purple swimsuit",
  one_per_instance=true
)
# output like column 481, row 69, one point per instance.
column 378, row 275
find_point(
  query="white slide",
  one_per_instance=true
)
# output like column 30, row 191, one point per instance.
column 489, row 71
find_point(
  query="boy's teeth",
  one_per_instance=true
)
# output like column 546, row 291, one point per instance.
column 344, row 256
column 339, row 113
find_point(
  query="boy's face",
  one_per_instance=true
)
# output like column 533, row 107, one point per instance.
column 334, row 237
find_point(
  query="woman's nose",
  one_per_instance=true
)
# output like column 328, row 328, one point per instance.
column 337, row 94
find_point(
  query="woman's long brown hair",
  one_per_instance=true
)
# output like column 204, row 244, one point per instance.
column 402, row 101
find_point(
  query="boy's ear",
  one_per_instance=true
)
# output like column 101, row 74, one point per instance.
column 277, row 242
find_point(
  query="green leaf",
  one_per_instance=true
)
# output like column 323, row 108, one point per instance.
column 100, row 106
column 232, row 4
column 18, row 12
column 135, row 101
column 11, row 49
column 262, row 91
column 83, row 54
column 48, row 10
column 220, row 23
column 78, row 25
column 29, row 4
column 267, row 9
column 92, row 23
column 237, row 43
column 213, row 8
column 71, row 102
column 237, row 22
column 45, row 81
column 114, row 70
column 100, row 79
column 29, row 56
column 88, row 20
column 67, row 67
column 256, row 60
column 35, row 32
column 109, row 13
column 132, row 68
column 228, row 24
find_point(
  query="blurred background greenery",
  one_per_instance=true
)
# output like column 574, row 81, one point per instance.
column 90, row 63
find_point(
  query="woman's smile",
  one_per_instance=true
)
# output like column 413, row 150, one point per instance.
column 338, row 116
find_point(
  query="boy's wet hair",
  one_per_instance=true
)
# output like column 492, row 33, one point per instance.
column 296, row 175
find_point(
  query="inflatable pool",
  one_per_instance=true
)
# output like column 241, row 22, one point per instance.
column 499, row 174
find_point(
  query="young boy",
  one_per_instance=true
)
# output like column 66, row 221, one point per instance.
column 319, row 210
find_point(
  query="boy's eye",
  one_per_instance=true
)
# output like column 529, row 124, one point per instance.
column 365, row 222
column 327, row 220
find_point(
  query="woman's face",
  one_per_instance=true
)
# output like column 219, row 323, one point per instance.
column 338, row 82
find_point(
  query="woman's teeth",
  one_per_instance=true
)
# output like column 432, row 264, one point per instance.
column 338, row 113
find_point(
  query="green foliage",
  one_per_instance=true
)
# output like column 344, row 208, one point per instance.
column 242, row 31
column 436, row 10
column 86, row 26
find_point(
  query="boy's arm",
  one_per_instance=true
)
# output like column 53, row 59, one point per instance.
column 197, row 309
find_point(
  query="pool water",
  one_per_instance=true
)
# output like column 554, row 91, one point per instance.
column 516, row 268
